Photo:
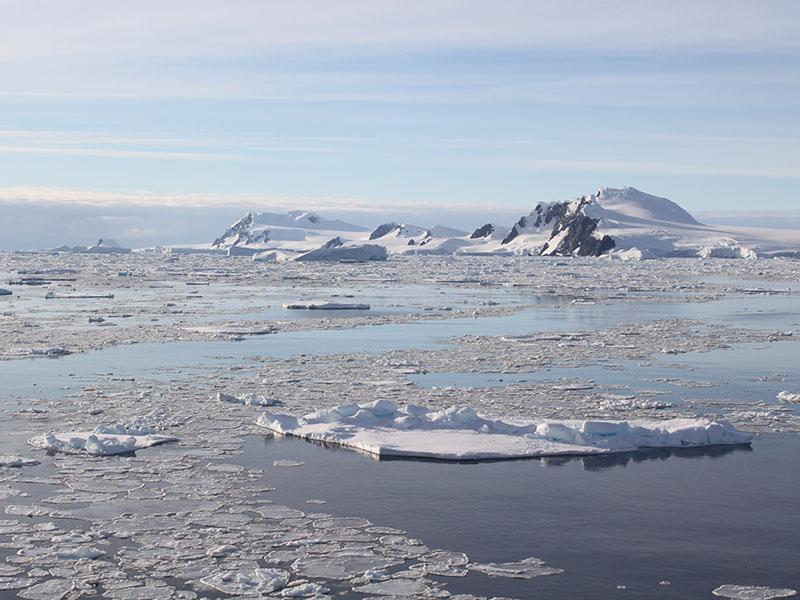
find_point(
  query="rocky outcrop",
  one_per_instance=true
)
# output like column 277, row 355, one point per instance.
column 482, row 232
column 384, row 230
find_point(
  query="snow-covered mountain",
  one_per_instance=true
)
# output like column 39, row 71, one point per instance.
column 622, row 222
column 295, row 232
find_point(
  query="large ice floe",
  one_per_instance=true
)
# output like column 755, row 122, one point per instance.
column 382, row 428
column 103, row 441
column 750, row 592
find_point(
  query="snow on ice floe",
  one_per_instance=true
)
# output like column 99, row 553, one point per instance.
column 327, row 306
column 787, row 396
column 749, row 592
column 103, row 441
column 382, row 428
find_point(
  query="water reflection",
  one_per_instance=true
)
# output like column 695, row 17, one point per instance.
column 597, row 462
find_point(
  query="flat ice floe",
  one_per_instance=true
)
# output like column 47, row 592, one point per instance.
column 16, row 461
column 750, row 592
column 327, row 306
column 382, row 428
column 103, row 441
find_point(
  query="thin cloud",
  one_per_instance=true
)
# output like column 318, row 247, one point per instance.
column 653, row 168
column 112, row 153
column 254, row 201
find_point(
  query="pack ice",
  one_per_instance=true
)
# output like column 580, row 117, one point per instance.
column 381, row 428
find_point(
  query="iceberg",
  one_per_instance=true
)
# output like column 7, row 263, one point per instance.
column 381, row 428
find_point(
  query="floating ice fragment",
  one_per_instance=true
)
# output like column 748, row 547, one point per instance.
column 52, row 589
column 786, row 396
column 246, row 399
column 395, row 587
column 283, row 462
column 459, row 433
column 249, row 582
column 749, row 592
column 343, row 564
column 80, row 552
column 327, row 306
column 103, row 441
column 527, row 568
column 16, row 461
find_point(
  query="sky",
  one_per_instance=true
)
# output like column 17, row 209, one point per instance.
column 163, row 120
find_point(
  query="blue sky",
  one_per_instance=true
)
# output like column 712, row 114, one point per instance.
column 380, row 107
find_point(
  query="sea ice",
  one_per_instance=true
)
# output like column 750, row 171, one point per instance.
column 103, row 441
column 250, row 582
column 246, row 399
column 786, row 396
column 527, row 568
column 327, row 306
column 16, row 461
column 749, row 592
column 460, row 433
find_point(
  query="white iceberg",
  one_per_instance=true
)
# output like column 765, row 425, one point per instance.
column 381, row 428
column 787, row 396
column 103, row 441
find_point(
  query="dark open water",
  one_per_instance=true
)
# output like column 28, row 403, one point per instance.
column 696, row 518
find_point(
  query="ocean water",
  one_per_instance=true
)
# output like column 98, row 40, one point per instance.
column 695, row 518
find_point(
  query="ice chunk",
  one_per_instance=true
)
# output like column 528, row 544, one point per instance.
column 246, row 399
column 527, row 568
column 749, row 592
column 342, row 564
column 250, row 582
column 16, row 461
column 103, row 441
column 283, row 462
column 460, row 433
column 786, row 396
column 327, row 306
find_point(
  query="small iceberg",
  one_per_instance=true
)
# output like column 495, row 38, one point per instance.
column 103, row 441
column 381, row 428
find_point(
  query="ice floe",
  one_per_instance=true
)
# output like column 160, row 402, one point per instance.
column 103, row 441
column 749, row 592
column 250, row 582
column 527, row 568
column 246, row 399
column 786, row 396
column 16, row 461
column 327, row 306
column 382, row 428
